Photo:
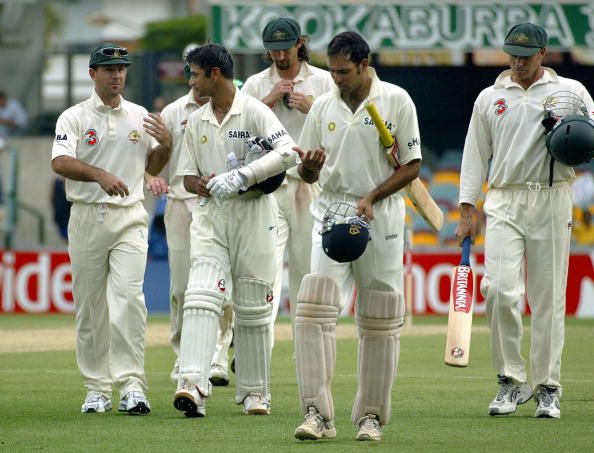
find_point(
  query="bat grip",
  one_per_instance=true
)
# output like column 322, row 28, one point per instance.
column 465, row 258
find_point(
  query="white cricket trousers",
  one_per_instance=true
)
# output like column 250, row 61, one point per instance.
column 178, row 218
column 294, row 228
column 108, row 250
column 534, row 223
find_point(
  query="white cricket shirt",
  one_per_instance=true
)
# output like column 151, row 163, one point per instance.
column 506, row 126
column 111, row 139
column 356, row 160
column 175, row 117
column 207, row 143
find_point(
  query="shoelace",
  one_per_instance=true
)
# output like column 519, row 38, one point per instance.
column 503, row 390
column 315, row 417
column 546, row 397
column 369, row 422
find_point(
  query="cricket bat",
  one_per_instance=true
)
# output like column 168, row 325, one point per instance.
column 416, row 191
column 408, row 278
column 462, row 298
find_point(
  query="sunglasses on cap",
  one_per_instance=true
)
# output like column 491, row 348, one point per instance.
column 113, row 52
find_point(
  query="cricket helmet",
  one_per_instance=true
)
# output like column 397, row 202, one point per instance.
column 344, row 234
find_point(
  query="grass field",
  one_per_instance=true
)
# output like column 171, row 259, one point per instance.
column 435, row 408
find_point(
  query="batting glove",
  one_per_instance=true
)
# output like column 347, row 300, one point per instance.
column 227, row 184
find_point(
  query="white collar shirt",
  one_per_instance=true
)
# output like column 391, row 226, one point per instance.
column 505, row 128
column 175, row 116
column 112, row 139
column 356, row 161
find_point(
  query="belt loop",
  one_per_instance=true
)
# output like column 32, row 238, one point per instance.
column 101, row 210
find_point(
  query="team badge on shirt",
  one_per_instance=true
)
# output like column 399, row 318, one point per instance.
column 91, row 137
column 331, row 126
column 203, row 139
column 269, row 296
column 500, row 106
column 134, row 136
column 221, row 285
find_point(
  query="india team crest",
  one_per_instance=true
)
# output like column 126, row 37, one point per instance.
column 331, row 126
column 203, row 139
column 134, row 136
column 91, row 137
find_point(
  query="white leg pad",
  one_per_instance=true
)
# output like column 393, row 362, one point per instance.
column 318, row 306
column 379, row 316
column 253, row 312
column 203, row 304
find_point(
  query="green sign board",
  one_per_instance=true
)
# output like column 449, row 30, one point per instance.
column 411, row 26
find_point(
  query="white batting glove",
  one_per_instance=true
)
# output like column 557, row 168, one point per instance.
column 227, row 184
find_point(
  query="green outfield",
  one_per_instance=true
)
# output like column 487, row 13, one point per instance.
column 435, row 408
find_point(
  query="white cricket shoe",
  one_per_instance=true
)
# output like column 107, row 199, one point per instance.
column 509, row 396
column 218, row 376
column 256, row 404
column 315, row 427
column 547, row 403
column 95, row 403
column 369, row 428
column 174, row 375
column 188, row 400
column 134, row 403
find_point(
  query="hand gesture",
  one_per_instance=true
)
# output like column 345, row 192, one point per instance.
column 365, row 207
column 279, row 90
column 312, row 160
column 155, row 127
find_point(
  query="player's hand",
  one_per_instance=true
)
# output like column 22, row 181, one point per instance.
column 112, row 185
column 365, row 206
column 312, row 160
column 226, row 184
column 466, row 227
column 281, row 89
column 156, row 185
column 300, row 102
column 155, row 127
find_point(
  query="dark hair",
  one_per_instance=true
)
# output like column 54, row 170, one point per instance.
column 211, row 56
column 350, row 45
column 302, row 53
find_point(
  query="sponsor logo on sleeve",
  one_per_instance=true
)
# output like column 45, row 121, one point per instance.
column 61, row 137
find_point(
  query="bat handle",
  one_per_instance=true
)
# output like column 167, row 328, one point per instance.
column 465, row 258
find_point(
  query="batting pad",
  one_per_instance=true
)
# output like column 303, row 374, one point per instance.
column 253, row 312
column 379, row 316
column 318, row 305
column 203, row 304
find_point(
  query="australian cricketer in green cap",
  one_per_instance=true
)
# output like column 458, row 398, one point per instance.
column 524, row 40
column 109, row 54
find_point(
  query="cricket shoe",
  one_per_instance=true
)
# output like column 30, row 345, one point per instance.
column 134, row 403
column 509, row 396
column 256, row 404
column 174, row 375
column 547, row 403
column 188, row 400
column 369, row 428
column 96, row 403
column 315, row 427
column 218, row 376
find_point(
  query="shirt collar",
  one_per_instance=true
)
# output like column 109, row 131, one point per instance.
column 190, row 99
column 504, row 79
column 236, row 108
column 98, row 103
column 304, row 72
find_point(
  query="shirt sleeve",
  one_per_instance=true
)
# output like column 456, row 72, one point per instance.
column 407, row 133
column 67, row 136
column 475, row 158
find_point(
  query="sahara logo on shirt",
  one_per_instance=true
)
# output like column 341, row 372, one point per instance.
column 500, row 106
column 134, row 136
column 368, row 121
column 91, row 137
column 238, row 134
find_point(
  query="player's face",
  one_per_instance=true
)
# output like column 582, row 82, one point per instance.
column 347, row 75
column 202, row 86
column 109, row 79
column 284, row 59
column 526, row 69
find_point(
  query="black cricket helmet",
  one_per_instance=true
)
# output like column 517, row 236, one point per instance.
column 571, row 141
column 259, row 147
column 344, row 234
column 569, row 129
